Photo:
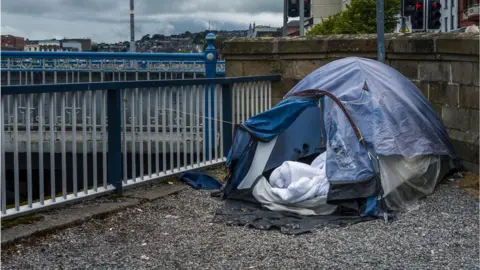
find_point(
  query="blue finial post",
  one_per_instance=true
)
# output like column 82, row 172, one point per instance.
column 210, row 72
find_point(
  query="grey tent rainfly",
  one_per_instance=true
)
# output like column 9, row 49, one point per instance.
column 353, row 138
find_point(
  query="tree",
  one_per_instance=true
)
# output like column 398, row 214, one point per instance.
column 358, row 18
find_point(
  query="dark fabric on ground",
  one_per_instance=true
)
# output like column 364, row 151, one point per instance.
column 247, row 214
column 200, row 180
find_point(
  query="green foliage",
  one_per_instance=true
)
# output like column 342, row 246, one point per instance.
column 358, row 18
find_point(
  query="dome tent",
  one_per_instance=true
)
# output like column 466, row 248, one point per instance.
column 381, row 138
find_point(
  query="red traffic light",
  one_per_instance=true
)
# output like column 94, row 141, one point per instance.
column 418, row 5
column 436, row 5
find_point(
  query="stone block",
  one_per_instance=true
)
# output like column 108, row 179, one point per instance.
column 443, row 93
column 458, row 44
column 456, row 118
column 423, row 87
column 468, row 97
column 476, row 73
column 302, row 45
column 248, row 46
column 409, row 44
column 287, row 68
column 463, row 73
column 258, row 68
column 409, row 69
column 234, row 68
column 351, row 43
column 305, row 67
column 432, row 71
column 465, row 144
column 466, row 151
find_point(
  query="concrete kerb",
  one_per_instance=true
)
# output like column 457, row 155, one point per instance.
column 70, row 215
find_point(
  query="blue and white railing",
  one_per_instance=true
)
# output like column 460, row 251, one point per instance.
column 66, row 142
column 24, row 68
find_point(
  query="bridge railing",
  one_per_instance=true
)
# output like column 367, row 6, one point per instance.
column 26, row 68
column 86, row 139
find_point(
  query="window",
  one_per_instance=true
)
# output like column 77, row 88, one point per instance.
column 446, row 24
column 453, row 3
column 446, row 4
column 452, row 22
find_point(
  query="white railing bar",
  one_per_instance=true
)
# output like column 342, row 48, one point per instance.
column 2, row 146
column 52, row 146
column 220, row 103
column 184, row 125
column 269, row 95
column 178, row 91
column 84, row 142
column 74, row 143
column 197, row 122
column 132, row 115
column 149, row 142
column 163, row 94
column 40, row 148
column 94, row 139
column 63, row 142
column 29, row 151
column 192, row 125
column 124, row 133
column 206, row 104
column 214, row 120
column 170, row 116
column 157, row 133
column 140, row 126
column 15, row 153
column 104, row 136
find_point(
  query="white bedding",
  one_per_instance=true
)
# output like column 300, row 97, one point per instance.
column 296, row 182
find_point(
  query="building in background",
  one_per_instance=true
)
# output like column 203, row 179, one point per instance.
column 86, row 43
column 72, row 46
column 12, row 43
column 322, row 9
column 468, row 11
column 449, row 15
column 266, row 31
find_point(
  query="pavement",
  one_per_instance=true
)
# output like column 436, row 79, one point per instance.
column 177, row 232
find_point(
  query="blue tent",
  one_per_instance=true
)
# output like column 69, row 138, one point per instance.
column 382, row 140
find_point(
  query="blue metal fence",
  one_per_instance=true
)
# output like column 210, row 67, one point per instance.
column 126, row 133
column 20, row 68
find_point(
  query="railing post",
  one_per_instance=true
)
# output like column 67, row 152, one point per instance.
column 227, row 118
column 210, row 72
column 114, row 156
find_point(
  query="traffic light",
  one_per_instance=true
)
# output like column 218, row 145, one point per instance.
column 307, row 7
column 434, row 14
column 417, row 16
column 408, row 7
column 294, row 6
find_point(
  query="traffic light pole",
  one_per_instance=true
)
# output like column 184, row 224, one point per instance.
column 302, row 17
column 285, row 17
column 402, row 12
column 380, row 32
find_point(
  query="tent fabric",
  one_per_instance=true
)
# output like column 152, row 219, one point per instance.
column 267, row 125
column 388, row 108
column 371, row 121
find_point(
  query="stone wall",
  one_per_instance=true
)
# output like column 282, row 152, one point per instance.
column 445, row 67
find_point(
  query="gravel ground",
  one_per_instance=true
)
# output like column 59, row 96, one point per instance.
column 176, row 233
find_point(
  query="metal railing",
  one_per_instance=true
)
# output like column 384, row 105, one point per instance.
column 25, row 68
column 66, row 142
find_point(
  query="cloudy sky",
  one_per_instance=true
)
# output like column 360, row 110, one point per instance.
column 108, row 20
